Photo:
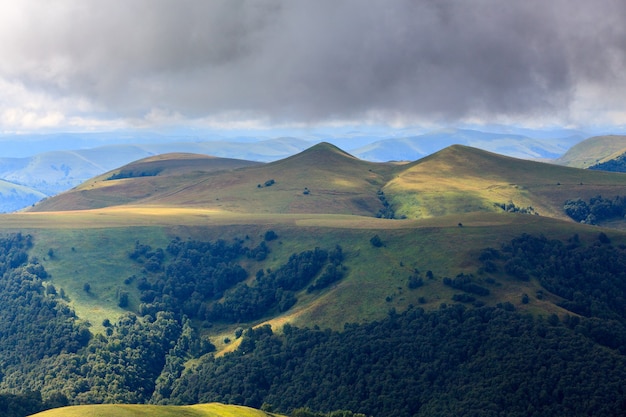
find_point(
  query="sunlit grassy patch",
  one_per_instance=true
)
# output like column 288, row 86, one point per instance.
column 122, row 410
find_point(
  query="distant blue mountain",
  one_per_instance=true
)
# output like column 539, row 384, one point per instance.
column 416, row 147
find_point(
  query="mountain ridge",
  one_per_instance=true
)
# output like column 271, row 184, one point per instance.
column 326, row 179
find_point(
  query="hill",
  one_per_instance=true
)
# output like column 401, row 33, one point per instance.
column 322, row 179
column 15, row 197
column 616, row 162
column 201, row 410
column 325, row 179
column 67, row 160
column 593, row 150
column 145, row 288
column 140, row 180
column 55, row 171
column 461, row 179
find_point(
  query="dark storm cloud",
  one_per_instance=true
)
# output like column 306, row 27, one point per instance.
column 319, row 60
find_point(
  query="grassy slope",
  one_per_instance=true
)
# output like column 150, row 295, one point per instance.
column 170, row 170
column 461, row 179
column 377, row 277
column 593, row 150
column 456, row 185
column 337, row 183
column 119, row 410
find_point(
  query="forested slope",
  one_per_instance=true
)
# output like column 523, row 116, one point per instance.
column 461, row 358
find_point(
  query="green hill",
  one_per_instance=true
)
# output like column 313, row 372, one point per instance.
column 593, row 150
column 185, row 279
column 156, row 199
column 141, row 180
column 201, row 410
column 459, row 179
column 322, row 179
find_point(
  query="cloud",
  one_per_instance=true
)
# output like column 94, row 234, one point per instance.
column 406, row 61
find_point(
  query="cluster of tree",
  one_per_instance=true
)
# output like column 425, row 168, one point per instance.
column 306, row 412
column 590, row 278
column 416, row 280
column 510, row 207
column 453, row 361
column 597, row 209
column 36, row 324
column 129, row 173
column 199, row 274
column 267, row 183
column 276, row 289
column 617, row 164
column 387, row 211
column 136, row 362
column 27, row 403
column 466, row 282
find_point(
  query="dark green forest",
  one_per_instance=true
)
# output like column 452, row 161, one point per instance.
column 617, row 164
column 597, row 209
column 204, row 281
column 465, row 359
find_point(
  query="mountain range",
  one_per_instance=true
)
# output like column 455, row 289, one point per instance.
column 74, row 158
column 456, row 283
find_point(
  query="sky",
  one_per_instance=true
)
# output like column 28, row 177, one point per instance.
column 93, row 65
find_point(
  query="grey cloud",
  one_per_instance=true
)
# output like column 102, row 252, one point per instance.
column 318, row 60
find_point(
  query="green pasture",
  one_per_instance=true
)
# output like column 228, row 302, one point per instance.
column 92, row 247
column 123, row 410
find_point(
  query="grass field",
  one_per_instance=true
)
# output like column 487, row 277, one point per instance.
column 121, row 410
column 92, row 247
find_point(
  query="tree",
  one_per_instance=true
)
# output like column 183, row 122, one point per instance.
column 376, row 241
column 270, row 235
column 123, row 299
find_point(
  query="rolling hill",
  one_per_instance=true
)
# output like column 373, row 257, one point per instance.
column 322, row 179
column 182, row 279
column 593, row 150
column 15, row 197
column 55, row 171
column 202, row 410
column 460, row 179
column 325, row 179
column 67, row 160
column 322, row 196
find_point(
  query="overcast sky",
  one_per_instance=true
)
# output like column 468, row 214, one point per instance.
column 83, row 64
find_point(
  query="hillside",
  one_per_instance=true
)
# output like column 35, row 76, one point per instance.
column 325, row 179
column 14, row 196
column 322, row 179
column 67, row 160
column 55, row 171
column 140, row 180
column 593, row 150
column 186, row 279
column 461, row 179
column 201, row 410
